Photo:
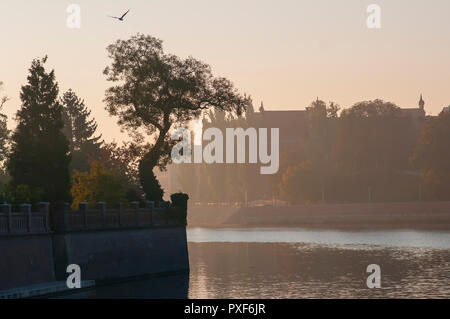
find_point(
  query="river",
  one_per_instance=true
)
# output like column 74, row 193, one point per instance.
column 299, row 263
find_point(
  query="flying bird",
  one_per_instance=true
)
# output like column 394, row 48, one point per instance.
column 120, row 18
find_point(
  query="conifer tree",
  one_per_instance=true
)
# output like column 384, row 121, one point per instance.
column 79, row 130
column 40, row 152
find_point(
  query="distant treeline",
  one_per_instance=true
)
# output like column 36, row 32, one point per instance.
column 368, row 152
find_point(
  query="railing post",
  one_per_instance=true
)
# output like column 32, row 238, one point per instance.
column 102, row 207
column 120, row 209
column 6, row 208
column 26, row 208
column 135, row 206
column 44, row 208
column 82, row 207
column 151, row 206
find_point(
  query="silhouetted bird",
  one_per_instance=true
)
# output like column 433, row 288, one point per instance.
column 121, row 18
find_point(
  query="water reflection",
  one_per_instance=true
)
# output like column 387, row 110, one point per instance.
column 277, row 263
column 292, row 270
column 397, row 238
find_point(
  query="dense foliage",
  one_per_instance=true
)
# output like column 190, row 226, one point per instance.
column 80, row 131
column 432, row 157
column 97, row 185
column 155, row 91
column 358, row 155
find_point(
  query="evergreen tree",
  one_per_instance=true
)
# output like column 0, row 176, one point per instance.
column 40, row 151
column 79, row 130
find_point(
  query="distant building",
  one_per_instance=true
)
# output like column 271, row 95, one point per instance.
column 417, row 114
column 294, row 128
column 294, row 125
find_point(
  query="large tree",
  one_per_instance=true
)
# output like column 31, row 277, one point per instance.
column 373, row 136
column 432, row 157
column 80, row 130
column 155, row 91
column 322, row 132
column 40, row 151
column 374, row 142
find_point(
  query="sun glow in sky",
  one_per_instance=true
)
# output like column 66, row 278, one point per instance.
column 285, row 52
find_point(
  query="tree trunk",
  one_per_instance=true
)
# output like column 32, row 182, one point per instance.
column 150, row 160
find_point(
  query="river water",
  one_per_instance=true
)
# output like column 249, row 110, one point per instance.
column 299, row 263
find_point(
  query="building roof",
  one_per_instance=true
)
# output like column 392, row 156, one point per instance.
column 416, row 112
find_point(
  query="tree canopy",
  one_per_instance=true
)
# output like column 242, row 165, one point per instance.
column 80, row 131
column 432, row 156
column 97, row 185
column 373, row 136
column 155, row 91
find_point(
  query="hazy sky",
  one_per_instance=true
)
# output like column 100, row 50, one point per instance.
column 283, row 52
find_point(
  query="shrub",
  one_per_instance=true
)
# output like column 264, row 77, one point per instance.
column 22, row 194
column 133, row 194
column 179, row 199
column 179, row 203
column 99, row 184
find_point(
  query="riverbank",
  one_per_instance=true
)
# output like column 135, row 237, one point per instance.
column 358, row 216
column 106, row 244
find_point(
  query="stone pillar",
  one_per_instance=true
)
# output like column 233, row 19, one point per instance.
column 26, row 208
column 101, row 206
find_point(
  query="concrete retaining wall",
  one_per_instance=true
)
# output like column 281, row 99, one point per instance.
column 25, row 260
column 115, row 254
column 106, row 243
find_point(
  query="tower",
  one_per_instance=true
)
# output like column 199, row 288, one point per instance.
column 421, row 102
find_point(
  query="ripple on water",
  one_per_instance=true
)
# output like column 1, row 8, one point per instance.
column 296, row 270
